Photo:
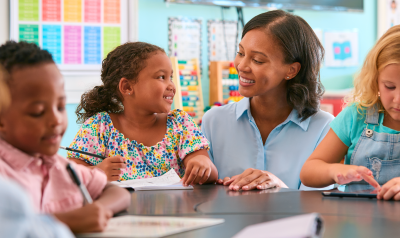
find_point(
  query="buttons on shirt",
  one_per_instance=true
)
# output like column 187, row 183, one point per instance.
column 39, row 162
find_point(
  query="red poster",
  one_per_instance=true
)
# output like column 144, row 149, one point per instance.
column 51, row 10
column 93, row 11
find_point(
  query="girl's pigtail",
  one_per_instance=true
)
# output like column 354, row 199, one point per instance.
column 95, row 101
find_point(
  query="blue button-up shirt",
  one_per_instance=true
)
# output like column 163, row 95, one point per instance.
column 236, row 143
column 17, row 218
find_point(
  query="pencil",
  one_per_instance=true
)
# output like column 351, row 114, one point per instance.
column 82, row 152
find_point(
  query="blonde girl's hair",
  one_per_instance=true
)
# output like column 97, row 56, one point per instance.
column 4, row 93
column 385, row 52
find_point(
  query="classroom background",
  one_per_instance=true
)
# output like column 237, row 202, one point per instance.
column 150, row 21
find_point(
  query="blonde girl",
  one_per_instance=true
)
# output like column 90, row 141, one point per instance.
column 367, row 131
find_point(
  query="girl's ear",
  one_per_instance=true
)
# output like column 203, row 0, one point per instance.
column 294, row 69
column 125, row 87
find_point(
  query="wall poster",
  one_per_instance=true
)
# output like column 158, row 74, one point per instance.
column 78, row 33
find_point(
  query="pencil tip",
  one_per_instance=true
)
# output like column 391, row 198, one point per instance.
column 63, row 147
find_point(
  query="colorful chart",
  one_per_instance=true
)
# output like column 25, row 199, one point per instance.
column 51, row 10
column 29, row 33
column 112, row 38
column 52, row 41
column 92, row 45
column 184, row 38
column 78, row 33
column 93, row 11
column 28, row 10
column 222, row 40
column 112, row 11
column 72, row 44
column 72, row 10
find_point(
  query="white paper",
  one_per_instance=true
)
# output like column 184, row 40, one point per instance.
column 341, row 48
column 151, row 226
column 292, row 227
column 169, row 180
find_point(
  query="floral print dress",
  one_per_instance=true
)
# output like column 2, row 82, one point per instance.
column 99, row 136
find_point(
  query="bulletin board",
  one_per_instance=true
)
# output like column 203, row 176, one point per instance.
column 78, row 33
column 184, row 38
column 222, row 40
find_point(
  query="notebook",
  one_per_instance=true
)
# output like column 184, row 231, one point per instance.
column 151, row 226
column 169, row 180
column 307, row 225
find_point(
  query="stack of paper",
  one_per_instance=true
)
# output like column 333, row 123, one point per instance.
column 169, row 180
column 142, row 226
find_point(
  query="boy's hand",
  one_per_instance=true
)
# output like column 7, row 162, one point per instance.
column 198, row 170
column 253, row 179
column 390, row 190
column 90, row 218
column 343, row 174
column 112, row 167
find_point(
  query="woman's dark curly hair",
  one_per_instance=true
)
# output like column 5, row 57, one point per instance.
column 299, row 44
column 125, row 61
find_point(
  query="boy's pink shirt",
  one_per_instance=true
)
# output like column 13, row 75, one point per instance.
column 47, row 180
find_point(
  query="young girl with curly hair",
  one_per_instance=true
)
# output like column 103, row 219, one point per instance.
column 129, row 120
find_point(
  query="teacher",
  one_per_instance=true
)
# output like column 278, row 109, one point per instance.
column 263, row 140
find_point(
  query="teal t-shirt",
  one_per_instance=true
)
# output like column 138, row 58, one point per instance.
column 349, row 125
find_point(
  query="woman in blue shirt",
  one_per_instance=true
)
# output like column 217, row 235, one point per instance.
column 263, row 140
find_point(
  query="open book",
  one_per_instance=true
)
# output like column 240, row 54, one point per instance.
column 151, row 226
column 169, row 180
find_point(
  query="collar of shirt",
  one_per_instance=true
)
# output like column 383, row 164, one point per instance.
column 19, row 160
column 244, row 105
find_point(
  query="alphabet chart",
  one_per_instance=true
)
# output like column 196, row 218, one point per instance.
column 184, row 38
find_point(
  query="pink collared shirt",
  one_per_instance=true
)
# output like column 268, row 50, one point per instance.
column 47, row 181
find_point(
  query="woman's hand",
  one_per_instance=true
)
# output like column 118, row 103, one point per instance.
column 112, row 167
column 252, row 179
column 343, row 174
column 199, row 169
column 90, row 218
column 390, row 190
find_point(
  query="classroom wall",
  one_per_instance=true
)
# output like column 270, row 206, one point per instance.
column 153, row 28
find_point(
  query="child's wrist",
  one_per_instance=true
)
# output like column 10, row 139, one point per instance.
column 333, row 171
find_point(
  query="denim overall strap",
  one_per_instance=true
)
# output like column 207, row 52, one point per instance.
column 377, row 151
column 372, row 116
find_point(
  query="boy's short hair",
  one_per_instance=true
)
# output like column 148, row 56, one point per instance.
column 21, row 54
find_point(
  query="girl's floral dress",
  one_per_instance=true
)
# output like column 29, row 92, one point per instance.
column 99, row 136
